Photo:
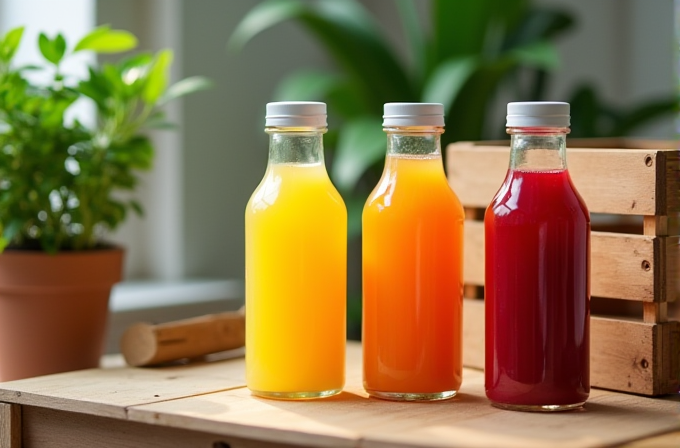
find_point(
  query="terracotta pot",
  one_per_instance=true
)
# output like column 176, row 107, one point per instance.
column 53, row 310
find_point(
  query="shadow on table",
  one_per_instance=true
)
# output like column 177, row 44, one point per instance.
column 469, row 420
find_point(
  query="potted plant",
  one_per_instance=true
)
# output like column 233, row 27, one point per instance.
column 63, row 185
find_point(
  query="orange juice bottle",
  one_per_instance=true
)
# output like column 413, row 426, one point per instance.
column 296, row 255
column 412, row 265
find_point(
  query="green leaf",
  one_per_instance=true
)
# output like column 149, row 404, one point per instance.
column 355, row 208
column 585, row 109
column 539, row 23
column 305, row 86
column 139, row 60
column 361, row 144
column 186, row 86
column 541, row 54
column 10, row 43
column 468, row 116
column 59, row 44
column 114, row 79
column 263, row 16
column 134, row 69
column 52, row 114
column 52, row 50
column 157, row 78
column 137, row 207
column 646, row 113
column 92, row 36
column 114, row 213
column 105, row 40
column 97, row 88
column 464, row 27
column 12, row 230
column 141, row 152
column 447, row 80
column 351, row 37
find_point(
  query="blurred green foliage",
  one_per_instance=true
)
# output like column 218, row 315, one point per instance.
column 464, row 56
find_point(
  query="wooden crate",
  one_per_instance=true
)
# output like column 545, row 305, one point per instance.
column 631, row 180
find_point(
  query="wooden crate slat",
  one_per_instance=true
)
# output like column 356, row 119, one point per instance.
column 473, row 252
column 473, row 333
column 619, row 181
column 634, row 356
column 671, row 275
column 624, row 355
column 10, row 425
column 668, row 176
column 623, row 266
column 670, row 357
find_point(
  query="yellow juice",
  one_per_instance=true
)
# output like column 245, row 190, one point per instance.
column 296, row 256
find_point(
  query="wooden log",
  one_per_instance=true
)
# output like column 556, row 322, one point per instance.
column 619, row 181
column 145, row 344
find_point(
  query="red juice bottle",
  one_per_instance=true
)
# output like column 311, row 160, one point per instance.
column 537, row 288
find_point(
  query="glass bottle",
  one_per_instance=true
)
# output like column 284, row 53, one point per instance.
column 296, row 256
column 412, row 264
column 537, row 290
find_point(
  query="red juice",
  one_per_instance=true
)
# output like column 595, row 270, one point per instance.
column 537, row 292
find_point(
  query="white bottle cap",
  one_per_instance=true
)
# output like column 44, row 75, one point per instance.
column 538, row 114
column 296, row 114
column 413, row 114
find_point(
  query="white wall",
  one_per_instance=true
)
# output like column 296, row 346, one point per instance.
column 627, row 48
column 154, row 242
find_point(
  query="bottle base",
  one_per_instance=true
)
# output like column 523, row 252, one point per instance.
column 538, row 407
column 412, row 396
column 296, row 395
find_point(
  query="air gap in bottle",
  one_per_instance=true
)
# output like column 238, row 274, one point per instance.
column 412, row 264
column 537, row 290
column 296, row 253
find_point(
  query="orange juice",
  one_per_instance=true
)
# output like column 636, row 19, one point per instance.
column 296, row 240
column 412, row 282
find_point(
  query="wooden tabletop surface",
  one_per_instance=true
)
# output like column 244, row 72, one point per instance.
column 210, row 397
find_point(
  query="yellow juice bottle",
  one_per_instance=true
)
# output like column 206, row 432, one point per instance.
column 296, row 257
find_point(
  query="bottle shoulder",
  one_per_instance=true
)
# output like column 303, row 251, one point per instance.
column 418, row 193
column 295, row 186
column 551, row 195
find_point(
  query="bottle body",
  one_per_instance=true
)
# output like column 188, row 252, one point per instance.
column 296, row 253
column 537, row 292
column 412, row 277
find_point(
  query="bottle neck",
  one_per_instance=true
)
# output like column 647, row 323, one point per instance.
column 295, row 145
column 538, row 149
column 414, row 140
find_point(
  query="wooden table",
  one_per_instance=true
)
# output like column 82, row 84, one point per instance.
column 206, row 405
